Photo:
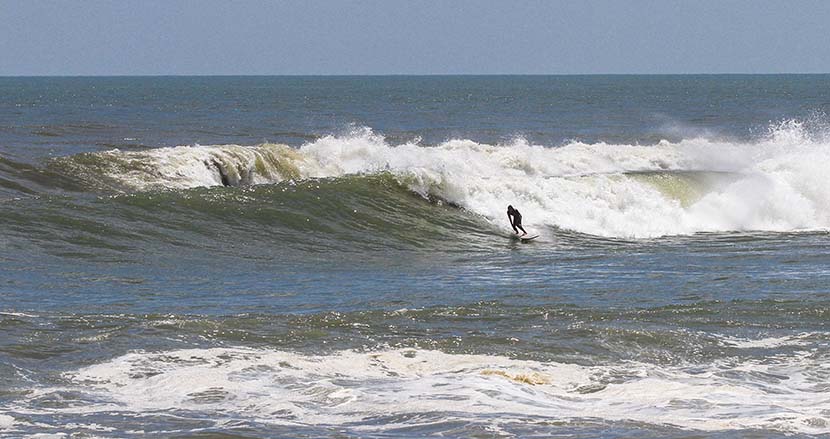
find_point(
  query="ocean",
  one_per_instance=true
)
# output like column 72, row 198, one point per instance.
column 229, row 257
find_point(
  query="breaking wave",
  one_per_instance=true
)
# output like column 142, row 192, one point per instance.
column 777, row 183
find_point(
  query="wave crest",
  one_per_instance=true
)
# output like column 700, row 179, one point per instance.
column 630, row 191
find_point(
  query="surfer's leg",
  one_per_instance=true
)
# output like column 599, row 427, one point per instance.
column 523, row 229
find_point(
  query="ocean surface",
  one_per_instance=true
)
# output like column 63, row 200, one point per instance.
column 234, row 257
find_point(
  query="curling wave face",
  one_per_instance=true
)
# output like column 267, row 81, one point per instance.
column 629, row 191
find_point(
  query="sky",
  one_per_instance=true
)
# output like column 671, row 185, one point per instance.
column 346, row 37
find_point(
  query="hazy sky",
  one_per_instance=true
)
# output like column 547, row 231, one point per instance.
column 92, row 37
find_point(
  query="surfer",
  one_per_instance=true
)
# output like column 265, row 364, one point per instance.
column 515, row 220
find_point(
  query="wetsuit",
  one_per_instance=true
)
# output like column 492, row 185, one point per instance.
column 516, row 221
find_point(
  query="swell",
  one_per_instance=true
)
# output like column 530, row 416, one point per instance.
column 22, row 179
column 346, row 214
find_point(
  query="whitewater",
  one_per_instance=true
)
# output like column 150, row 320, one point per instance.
column 626, row 191
column 396, row 388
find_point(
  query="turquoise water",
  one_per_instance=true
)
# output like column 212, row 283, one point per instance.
column 330, row 256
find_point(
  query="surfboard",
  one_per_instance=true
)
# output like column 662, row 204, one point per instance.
column 525, row 238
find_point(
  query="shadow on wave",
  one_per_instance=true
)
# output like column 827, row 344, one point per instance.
column 345, row 214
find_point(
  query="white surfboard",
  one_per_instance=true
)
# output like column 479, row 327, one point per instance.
column 525, row 238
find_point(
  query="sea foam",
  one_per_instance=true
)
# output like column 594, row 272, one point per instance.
column 777, row 183
column 782, row 393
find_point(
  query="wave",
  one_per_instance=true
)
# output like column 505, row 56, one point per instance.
column 628, row 191
column 346, row 214
column 21, row 179
column 403, row 388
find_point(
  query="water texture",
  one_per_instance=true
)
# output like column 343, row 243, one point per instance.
column 331, row 256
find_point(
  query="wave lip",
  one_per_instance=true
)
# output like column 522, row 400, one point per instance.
column 182, row 167
column 628, row 191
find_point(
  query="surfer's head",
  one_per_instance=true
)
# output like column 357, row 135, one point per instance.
column 509, row 208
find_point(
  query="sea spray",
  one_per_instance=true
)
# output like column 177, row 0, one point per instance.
column 774, row 184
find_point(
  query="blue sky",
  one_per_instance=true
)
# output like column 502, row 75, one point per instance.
column 412, row 37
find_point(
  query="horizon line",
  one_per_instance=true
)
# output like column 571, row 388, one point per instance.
column 165, row 75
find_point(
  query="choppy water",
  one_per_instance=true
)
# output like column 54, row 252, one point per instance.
column 237, row 257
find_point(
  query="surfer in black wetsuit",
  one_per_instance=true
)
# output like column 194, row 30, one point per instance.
column 515, row 219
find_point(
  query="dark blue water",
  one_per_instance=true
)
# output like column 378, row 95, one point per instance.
column 330, row 256
column 58, row 116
